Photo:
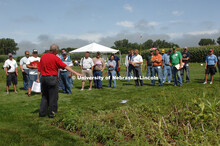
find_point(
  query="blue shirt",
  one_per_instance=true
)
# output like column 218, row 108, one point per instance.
column 166, row 59
column 211, row 59
column 113, row 63
column 116, row 58
column 185, row 55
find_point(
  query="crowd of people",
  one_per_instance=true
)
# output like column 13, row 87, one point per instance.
column 55, row 71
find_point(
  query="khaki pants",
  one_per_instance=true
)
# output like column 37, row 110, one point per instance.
column 87, row 73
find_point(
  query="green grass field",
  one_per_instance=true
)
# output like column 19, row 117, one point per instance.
column 152, row 116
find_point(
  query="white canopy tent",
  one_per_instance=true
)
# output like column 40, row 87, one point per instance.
column 94, row 48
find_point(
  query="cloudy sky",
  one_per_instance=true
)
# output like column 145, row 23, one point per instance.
column 74, row 23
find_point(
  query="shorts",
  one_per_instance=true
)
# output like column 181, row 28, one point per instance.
column 211, row 69
column 32, row 79
column 11, row 78
column 87, row 73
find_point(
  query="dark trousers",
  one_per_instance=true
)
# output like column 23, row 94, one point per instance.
column 97, row 81
column 186, row 68
column 49, row 89
column 137, row 76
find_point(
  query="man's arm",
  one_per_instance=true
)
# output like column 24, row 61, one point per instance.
column 181, row 62
column 21, row 67
column 119, row 63
column 72, row 71
column 6, row 71
column 103, row 68
column 16, row 71
column 38, row 77
column 31, row 67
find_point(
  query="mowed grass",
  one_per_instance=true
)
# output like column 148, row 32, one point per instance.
column 152, row 115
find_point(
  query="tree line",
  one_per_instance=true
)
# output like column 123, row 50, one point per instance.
column 8, row 45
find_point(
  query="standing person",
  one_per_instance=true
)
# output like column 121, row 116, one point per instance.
column 149, row 64
column 186, row 57
column 25, row 70
column 86, row 65
column 32, row 64
column 99, row 66
column 137, row 60
column 111, row 71
column 162, row 52
column 48, row 68
column 167, row 67
column 157, row 67
column 65, row 75
column 11, row 70
column 175, row 59
column 117, row 68
column 210, row 67
column 129, row 66
column 219, row 62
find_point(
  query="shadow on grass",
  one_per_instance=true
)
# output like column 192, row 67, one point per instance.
column 36, row 111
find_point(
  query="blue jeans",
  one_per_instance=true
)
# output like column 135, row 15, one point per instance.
column 118, row 72
column 129, row 73
column 26, row 78
column 176, row 72
column 97, row 81
column 64, row 78
column 70, row 80
column 149, row 71
column 167, row 69
column 185, row 67
column 158, row 70
column 32, row 79
column 111, row 74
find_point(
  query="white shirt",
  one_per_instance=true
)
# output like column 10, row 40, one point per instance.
column 126, row 61
column 33, row 61
column 11, row 63
column 23, row 62
column 137, row 58
column 86, row 63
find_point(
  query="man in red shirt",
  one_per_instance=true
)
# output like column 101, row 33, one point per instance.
column 48, row 69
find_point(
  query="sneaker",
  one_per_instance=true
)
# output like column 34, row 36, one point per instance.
column 7, row 92
column 169, row 82
column 205, row 83
column 82, row 89
column 90, row 88
column 210, row 83
column 16, row 92
column 163, row 81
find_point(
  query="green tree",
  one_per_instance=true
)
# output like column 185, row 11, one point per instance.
column 206, row 41
column 148, row 44
column 8, row 45
column 218, row 40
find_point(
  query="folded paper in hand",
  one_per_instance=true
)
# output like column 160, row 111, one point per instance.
column 36, row 87
column 178, row 66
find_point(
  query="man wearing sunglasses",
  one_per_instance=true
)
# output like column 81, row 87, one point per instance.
column 210, row 67
column 25, row 70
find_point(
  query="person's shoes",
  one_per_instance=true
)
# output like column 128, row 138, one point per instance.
column 90, row 88
column 205, row 83
column 7, row 92
column 82, row 89
column 163, row 81
column 52, row 115
column 175, row 85
column 210, row 83
column 16, row 92
column 29, row 95
column 169, row 82
column 180, row 85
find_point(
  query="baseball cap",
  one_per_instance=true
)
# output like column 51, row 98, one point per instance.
column 174, row 47
column 211, row 50
column 185, row 48
column 9, row 54
column 35, row 51
column 163, row 51
column 98, row 53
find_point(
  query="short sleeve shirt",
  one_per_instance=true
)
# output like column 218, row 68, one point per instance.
column 148, row 59
column 175, row 58
column 158, row 57
column 67, row 61
column 12, row 63
column 99, row 63
column 23, row 62
column 166, row 59
column 211, row 59
column 136, row 59
column 86, row 63
column 185, row 55
column 33, row 61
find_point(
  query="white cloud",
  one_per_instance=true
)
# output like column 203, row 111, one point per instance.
column 91, row 37
column 209, row 32
column 153, row 23
column 177, row 13
column 128, row 7
column 126, row 24
column 176, row 21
